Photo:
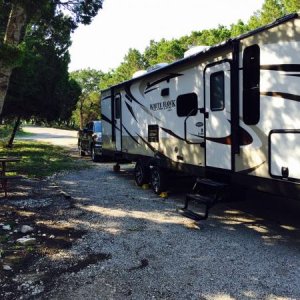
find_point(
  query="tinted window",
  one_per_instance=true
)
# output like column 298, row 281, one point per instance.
column 153, row 133
column 98, row 127
column 217, row 91
column 117, row 107
column 187, row 105
column 251, row 81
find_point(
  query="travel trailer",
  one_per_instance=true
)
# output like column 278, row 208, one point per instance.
column 230, row 112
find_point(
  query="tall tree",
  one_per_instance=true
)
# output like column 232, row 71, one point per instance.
column 40, row 86
column 133, row 61
column 22, row 11
column 88, row 105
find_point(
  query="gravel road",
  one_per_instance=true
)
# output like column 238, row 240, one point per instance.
column 136, row 246
column 59, row 137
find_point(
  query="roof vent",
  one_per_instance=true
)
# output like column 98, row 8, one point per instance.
column 157, row 66
column 195, row 50
column 139, row 73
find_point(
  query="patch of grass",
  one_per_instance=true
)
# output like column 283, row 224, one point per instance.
column 5, row 131
column 22, row 133
column 40, row 159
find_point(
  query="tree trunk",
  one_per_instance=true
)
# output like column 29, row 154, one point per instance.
column 13, row 36
column 81, row 113
column 13, row 134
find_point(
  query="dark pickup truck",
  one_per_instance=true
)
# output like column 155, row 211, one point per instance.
column 90, row 140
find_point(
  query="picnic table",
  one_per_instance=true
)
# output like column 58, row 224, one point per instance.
column 5, row 171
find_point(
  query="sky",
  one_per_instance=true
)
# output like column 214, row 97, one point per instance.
column 125, row 24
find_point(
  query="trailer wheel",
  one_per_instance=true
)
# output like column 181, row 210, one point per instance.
column 94, row 156
column 141, row 173
column 158, row 180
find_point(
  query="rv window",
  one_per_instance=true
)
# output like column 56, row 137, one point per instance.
column 251, row 81
column 117, row 107
column 187, row 105
column 153, row 135
column 217, row 91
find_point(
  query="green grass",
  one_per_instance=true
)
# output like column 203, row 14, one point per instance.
column 5, row 131
column 41, row 159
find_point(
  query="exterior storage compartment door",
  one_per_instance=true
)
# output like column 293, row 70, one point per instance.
column 284, row 154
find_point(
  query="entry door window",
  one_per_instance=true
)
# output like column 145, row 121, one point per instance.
column 217, row 95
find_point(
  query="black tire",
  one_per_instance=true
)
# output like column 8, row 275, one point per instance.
column 94, row 156
column 158, row 180
column 141, row 173
column 81, row 152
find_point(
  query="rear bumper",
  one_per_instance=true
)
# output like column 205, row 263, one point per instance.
column 98, row 148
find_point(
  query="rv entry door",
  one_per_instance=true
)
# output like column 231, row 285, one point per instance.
column 217, row 115
column 118, row 129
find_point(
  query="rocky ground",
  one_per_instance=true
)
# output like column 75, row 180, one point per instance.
column 93, row 234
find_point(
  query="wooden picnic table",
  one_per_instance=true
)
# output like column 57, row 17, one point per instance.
column 4, row 171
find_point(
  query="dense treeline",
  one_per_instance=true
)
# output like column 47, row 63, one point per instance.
column 40, row 86
column 34, row 40
column 171, row 50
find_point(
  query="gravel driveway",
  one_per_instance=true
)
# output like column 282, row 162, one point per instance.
column 55, row 136
column 131, row 244
column 136, row 246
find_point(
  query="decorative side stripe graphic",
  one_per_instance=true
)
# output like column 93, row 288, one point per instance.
column 130, row 135
column 226, row 140
column 106, row 119
column 170, row 132
column 244, row 138
column 148, row 144
column 283, row 67
column 250, row 170
column 157, row 154
column 131, row 111
column 130, row 97
column 107, row 97
column 292, row 75
column 282, row 95
column 148, row 91
column 165, row 78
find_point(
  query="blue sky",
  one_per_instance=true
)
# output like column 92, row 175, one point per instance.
column 124, row 24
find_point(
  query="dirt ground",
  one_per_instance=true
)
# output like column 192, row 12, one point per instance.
column 99, row 236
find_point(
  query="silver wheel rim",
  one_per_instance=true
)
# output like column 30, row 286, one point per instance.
column 139, row 174
column 155, row 181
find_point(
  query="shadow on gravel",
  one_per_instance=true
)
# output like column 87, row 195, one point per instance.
column 275, row 219
column 231, row 254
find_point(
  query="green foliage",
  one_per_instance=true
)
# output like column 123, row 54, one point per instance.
column 88, row 80
column 291, row 5
column 163, row 51
column 41, row 159
column 5, row 131
column 133, row 62
column 170, row 51
column 88, row 104
column 40, row 86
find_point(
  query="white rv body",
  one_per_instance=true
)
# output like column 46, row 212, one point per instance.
column 231, row 110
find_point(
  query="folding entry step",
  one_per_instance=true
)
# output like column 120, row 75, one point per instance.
column 206, row 192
